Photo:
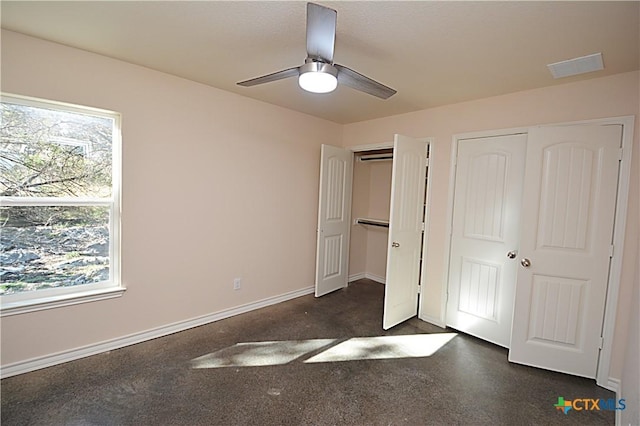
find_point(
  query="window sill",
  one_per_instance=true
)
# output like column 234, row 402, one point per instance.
column 33, row 305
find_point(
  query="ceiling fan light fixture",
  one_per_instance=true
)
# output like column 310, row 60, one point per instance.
column 319, row 74
column 318, row 77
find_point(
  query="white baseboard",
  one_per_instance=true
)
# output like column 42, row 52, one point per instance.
column 613, row 385
column 433, row 320
column 32, row 364
column 376, row 278
column 372, row 277
column 356, row 277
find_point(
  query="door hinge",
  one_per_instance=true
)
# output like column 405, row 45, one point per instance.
column 620, row 154
column 601, row 343
column 611, row 250
column 427, row 162
column 422, row 226
column 419, row 288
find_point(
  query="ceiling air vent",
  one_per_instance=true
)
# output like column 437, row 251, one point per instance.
column 577, row 66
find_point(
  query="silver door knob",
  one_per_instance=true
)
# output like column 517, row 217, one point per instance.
column 525, row 262
column 394, row 244
column 512, row 254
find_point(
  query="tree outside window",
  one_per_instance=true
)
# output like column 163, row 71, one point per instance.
column 59, row 209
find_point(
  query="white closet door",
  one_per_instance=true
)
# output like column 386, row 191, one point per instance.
column 570, row 191
column 485, row 236
column 334, row 219
column 405, row 230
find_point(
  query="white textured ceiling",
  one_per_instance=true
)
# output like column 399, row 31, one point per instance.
column 432, row 53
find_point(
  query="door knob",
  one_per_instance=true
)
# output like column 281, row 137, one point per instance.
column 512, row 254
column 394, row 244
column 525, row 262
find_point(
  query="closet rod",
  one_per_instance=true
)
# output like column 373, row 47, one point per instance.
column 376, row 157
column 373, row 222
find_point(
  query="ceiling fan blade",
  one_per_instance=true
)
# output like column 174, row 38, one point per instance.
column 321, row 32
column 357, row 81
column 291, row 72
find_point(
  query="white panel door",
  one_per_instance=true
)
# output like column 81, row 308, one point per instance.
column 408, row 182
column 567, row 226
column 334, row 217
column 485, row 236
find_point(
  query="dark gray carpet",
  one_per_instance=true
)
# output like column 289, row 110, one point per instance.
column 466, row 382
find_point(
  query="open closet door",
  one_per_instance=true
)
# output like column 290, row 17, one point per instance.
column 405, row 230
column 334, row 217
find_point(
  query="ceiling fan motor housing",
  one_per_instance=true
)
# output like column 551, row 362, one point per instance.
column 314, row 65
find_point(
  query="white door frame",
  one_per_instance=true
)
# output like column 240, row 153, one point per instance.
column 371, row 147
column 603, row 378
column 425, row 237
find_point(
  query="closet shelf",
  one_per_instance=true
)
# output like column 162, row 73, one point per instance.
column 373, row 222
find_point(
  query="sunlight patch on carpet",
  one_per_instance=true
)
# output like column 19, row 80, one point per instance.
column 260, row 354
column 384, row 347
column 257, row 354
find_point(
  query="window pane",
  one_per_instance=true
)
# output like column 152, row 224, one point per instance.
column 54, row 153
column 46, row 247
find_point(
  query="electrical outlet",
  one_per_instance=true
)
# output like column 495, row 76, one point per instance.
column 237, row 283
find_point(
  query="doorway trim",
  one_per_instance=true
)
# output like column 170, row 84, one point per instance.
column 603, row 378
column 370, row 147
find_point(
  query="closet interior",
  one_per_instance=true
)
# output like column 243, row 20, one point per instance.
column 370, row 209
column 370, row 214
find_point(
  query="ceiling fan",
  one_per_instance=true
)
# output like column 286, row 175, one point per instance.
column 319, row 74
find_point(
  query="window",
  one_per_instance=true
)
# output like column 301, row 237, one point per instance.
column 59, row 204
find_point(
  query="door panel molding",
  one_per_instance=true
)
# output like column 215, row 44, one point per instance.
column 566, row 271
column 441, row 320
column 611, row 307
column 485, row 227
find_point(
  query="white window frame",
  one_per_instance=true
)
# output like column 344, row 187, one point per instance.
column 37, row 300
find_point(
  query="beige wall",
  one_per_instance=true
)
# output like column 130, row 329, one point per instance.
column 612, row 96
column 216, row 186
